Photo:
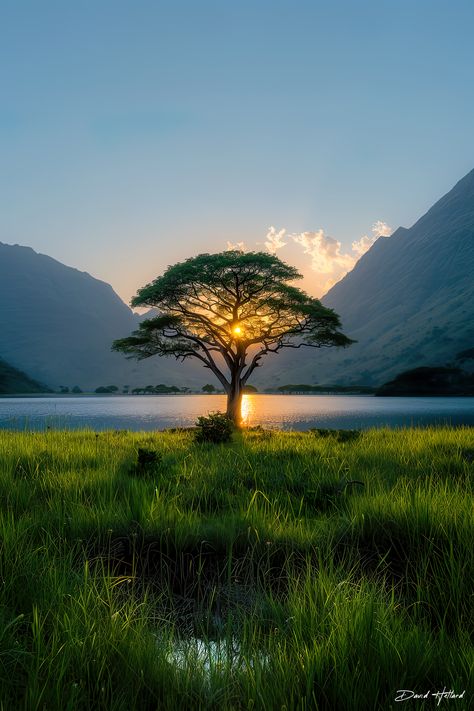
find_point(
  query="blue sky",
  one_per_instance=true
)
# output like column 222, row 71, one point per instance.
column 135, row 134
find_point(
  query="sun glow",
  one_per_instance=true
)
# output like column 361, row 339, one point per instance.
column 236, row 330
column 247, row 409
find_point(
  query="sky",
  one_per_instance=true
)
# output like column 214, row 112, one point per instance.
column 136, row 134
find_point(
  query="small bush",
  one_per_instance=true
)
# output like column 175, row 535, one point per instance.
column 147, row 462
column 147, row 457
column 216, row 428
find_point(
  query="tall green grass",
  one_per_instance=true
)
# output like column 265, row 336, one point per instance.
column 322, row 593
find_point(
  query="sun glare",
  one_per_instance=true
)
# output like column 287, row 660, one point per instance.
column 236, row 330
column 247, row 408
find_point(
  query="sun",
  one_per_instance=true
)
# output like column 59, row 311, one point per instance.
column 236, row 330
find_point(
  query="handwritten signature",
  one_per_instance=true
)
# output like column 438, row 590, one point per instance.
column 446, row 694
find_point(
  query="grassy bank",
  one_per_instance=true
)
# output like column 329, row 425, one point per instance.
column 255, row 575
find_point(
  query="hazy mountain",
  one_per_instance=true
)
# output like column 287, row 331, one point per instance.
column 14, row 381
column 409, row 301
column 57, row 324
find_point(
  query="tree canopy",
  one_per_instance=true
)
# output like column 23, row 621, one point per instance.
column 229, row 310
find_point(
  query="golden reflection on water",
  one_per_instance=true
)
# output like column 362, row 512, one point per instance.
column 248, row 408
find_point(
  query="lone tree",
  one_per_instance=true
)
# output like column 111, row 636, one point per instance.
column 229, row 310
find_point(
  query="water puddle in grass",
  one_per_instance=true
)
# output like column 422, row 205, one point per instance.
column 210, row 656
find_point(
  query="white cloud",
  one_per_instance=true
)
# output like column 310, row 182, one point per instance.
column 327, row 260
column 237, row 246
column 274, row 240
column 362, row 245
column 381, row 229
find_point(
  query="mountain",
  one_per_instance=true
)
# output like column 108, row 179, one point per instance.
column 409, row 302
column 57, row 324
column 429, row 381
column 14, row 381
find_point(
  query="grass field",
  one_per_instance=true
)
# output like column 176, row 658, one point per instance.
column 252, row 575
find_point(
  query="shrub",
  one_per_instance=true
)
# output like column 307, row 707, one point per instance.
column 147, row 462
column 216, row 428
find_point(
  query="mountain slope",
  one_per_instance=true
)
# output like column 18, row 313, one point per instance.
column 13, row 381
column 409, row 301
column 57, row 324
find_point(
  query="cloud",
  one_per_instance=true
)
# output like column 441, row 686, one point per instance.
column 362, row 245
column 329, row 262
column 274, row 240
column 237, row 246
column 381, row 229
column 327, row 259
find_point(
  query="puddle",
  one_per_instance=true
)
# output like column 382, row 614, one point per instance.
column 211, row 655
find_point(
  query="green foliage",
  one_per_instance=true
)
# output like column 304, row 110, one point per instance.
column 145, row 457
column 208, row 388
column 228, row 311
column 157, row 390
column 104, row 389
column 147, row 463
column 216, row 428
column 257, row 270
column 204, row 296
column 326, row 596
column 166, row 388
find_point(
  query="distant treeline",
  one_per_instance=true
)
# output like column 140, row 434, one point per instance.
column 303, row 388
column 147, row 390
column 158, row 389
column 124, row 390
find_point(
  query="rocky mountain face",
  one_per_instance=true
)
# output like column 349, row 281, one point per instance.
column 57, row 325
column 409, row 301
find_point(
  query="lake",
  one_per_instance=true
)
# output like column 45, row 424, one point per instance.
column 297, row 412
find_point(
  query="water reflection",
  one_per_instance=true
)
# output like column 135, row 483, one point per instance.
column 298, row 412
column 210, row 655
column 248, row 409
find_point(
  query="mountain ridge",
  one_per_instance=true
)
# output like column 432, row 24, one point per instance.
column 58, row 323
column 408, row 301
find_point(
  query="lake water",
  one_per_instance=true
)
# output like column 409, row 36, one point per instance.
column 298, row 412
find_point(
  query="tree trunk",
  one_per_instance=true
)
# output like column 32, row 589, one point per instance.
column 234, row 406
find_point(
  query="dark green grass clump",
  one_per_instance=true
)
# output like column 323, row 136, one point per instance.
column 280, row 570
column 216, row 428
